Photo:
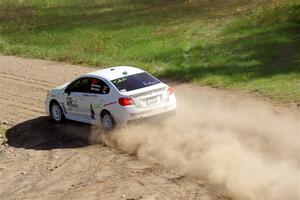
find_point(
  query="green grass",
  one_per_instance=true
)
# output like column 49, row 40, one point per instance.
column 3, row 140
column 253, row 45
column 2, row 131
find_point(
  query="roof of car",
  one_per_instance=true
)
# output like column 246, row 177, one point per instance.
column 115, row 72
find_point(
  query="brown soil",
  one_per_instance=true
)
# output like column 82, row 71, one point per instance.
column 180, row 158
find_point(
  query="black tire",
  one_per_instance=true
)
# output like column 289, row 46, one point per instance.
column 107, row 120
column 56, row 112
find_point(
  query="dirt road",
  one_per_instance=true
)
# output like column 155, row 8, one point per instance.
column 220, row 145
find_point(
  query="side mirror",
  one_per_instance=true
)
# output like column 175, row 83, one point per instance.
column 68, row 91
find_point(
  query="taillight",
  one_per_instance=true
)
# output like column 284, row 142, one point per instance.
column 125, row 101
column 170, row 91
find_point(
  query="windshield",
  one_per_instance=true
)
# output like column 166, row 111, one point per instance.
column 135, row 81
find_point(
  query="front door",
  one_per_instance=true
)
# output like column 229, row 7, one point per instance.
column 74, row 99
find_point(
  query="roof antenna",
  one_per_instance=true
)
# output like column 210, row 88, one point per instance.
column 124, row 73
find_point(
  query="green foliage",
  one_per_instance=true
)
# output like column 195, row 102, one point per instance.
column 251, row 45
column 2, row 131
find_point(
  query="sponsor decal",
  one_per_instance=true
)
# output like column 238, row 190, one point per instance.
column 89, row 95
column 95, row 86
column 146, row 83
column 95, row 89
column 92, row 111
column 95, row 81
column 97, row 106
column 63, row 106
column 119, row 80
column 71, row 103
column 99, row 87
column 110, row 103
column 105, row 89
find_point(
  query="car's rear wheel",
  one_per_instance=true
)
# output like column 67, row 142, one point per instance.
column 56, row 112
column 107, row 120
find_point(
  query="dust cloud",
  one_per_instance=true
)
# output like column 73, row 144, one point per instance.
column 243, row 145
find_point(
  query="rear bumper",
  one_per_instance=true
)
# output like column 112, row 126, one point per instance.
column 132, row 113
column 151, row 112
column 154, row 118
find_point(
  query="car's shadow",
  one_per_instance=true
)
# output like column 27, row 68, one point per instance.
column 43, row 134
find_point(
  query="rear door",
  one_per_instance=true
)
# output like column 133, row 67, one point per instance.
column 95, row 99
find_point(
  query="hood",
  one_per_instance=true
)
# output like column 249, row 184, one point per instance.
column 62, row 86
column 57, row 91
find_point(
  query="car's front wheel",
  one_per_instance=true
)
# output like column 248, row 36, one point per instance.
column 56, row 112
column 107, row 121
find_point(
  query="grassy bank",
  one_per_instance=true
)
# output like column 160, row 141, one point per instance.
column 2, row 131
column 3, row 139
column 253, row 45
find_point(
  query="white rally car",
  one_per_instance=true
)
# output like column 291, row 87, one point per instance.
column 110, row 97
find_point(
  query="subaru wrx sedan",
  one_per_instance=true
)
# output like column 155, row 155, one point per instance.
column 110, row 97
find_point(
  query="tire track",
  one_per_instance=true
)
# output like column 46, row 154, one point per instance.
column 14, row 118
column 42, row 161
column 30, row 104
column 15, row 75
column 27, row 80
column 21, row 107
column 3, row 91
column 23, row 93
column 19, row 83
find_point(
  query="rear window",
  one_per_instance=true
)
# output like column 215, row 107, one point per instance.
column 135, row 81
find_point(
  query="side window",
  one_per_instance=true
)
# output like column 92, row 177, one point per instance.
column 98, row 86
column 80, row 85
